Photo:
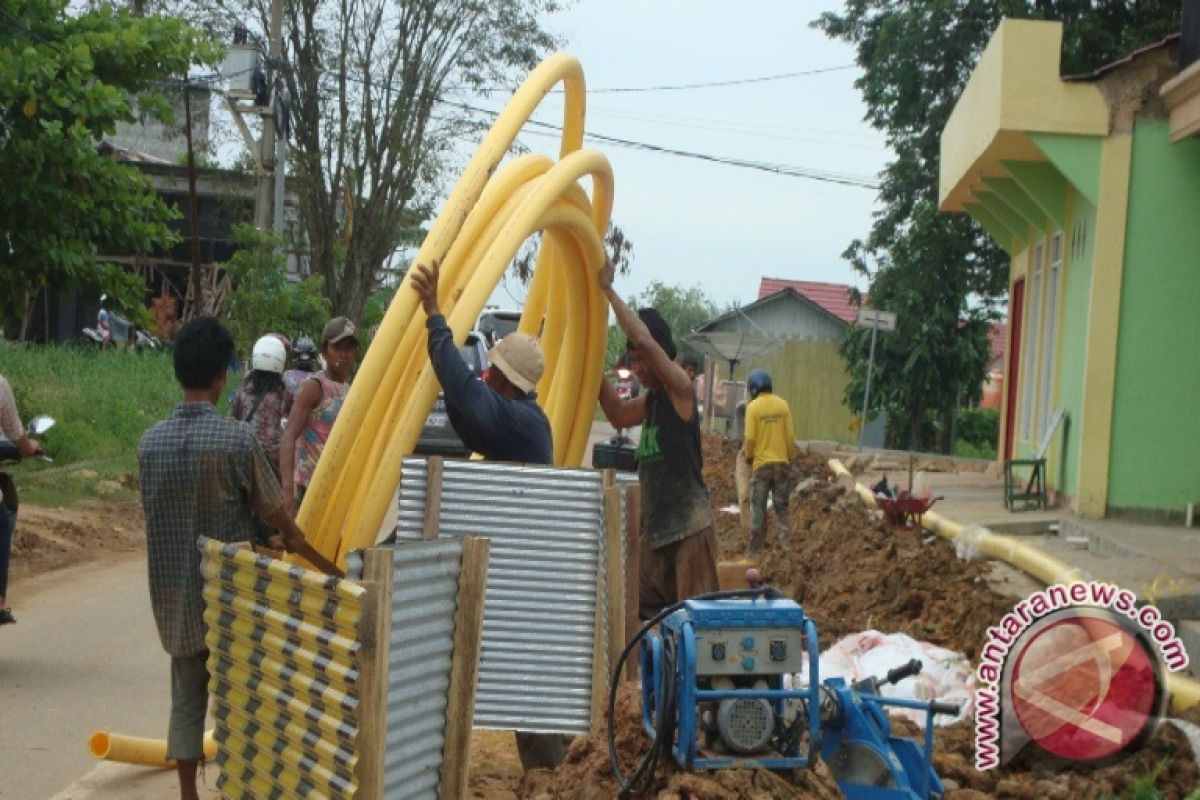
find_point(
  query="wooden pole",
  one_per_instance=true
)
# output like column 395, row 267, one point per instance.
column 464, row 668
column 614, row 576
column 433, row 497
column 633, row 544
column 194, row 282
column 374, row 635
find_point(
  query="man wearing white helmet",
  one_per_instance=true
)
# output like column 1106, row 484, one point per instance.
column 262, row 401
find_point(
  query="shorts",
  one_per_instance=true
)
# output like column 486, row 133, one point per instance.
column 676, row 571
column 189, row 707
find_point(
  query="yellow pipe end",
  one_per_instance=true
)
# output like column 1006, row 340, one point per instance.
column 141, row 752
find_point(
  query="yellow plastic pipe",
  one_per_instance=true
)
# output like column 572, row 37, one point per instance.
column 142, row 752
column 1185, row 692
column 490, row 213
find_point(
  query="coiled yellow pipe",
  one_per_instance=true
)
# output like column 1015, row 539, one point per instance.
column 1185, row 692
column 142, row 752
column 486, row 219
column 488, row 216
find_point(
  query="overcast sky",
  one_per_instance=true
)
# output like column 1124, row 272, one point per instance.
column 720, row 226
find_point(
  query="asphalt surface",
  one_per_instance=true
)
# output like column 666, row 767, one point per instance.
column 83, row 656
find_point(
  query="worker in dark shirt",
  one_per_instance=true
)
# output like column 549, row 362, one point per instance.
column 499, row 418
column 496, row 416
column 678, row 546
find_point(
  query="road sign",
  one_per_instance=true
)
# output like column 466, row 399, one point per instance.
column 874, row 318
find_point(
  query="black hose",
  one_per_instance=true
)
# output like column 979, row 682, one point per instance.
column 639, row 780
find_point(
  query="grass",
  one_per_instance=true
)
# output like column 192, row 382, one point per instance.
column 103, row 402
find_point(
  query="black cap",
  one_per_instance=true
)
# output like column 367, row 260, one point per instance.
column 659, row 330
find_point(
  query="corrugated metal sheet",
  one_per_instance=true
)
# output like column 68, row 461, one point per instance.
column 424, row 601
column 283, row 656
column 546, row 528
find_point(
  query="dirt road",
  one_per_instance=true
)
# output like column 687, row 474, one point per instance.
column 84, row 655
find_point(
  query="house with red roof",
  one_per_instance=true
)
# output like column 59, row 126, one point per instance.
column 794, row 331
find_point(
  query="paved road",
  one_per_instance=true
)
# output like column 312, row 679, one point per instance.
column 84, row 656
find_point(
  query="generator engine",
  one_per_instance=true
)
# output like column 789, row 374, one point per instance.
column 714, row 695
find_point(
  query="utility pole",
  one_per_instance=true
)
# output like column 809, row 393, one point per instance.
column 267, row 149
column 195, row 283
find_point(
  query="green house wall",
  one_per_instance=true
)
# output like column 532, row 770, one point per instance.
column 1076, row 289
column 1155, row 461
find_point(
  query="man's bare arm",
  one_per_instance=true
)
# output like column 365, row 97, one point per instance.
column 621, row 413
column 294, row 541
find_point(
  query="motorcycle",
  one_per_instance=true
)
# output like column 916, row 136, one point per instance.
column 9, row 452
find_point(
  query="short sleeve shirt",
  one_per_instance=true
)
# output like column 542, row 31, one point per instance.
column 10, row 420
column 201, row 474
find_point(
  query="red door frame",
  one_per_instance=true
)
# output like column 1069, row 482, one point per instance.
column 1012, row 377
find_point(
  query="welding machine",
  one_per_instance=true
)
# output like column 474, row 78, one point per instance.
column 714, row 695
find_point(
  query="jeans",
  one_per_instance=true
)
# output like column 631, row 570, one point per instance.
column 8, row 525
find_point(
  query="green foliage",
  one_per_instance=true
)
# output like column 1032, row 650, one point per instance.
column 102, row 401
column 941, row 275
column 65, row 82
column 979, row 426
column 263, row 300
column 375, row 307
column 685, row 308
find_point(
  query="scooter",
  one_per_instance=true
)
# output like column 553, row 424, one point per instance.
column 9, row 452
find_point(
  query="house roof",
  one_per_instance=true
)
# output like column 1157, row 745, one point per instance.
column 785, row 292
column 1098, row 73
column 832, row 297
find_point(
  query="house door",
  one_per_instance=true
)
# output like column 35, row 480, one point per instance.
column 1014, row 366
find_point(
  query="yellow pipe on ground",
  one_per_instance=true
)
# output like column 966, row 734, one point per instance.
column 1185, row 692
column 488, row 216
column 141, row 752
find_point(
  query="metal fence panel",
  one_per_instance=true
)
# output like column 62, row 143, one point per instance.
column 546, row 527
column 284, row 658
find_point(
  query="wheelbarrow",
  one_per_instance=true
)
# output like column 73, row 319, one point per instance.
column 903, row 512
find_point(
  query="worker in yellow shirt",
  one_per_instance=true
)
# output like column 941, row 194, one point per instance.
column 768, row 446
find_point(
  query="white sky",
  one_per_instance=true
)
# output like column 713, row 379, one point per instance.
column 720, row 226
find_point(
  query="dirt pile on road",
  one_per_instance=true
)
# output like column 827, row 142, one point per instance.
column 52, row 538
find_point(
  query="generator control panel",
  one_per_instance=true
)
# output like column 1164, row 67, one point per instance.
column 749, row 651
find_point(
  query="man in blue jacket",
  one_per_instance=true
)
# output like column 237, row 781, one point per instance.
column 496, row 416
column 499, row 418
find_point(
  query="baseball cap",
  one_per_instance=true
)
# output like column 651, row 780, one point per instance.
column 519, row 357
column 337, row 329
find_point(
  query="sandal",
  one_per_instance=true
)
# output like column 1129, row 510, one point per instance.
column 6, row 617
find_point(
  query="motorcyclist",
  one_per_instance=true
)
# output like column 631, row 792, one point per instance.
column 25, row 446
column 304, row 363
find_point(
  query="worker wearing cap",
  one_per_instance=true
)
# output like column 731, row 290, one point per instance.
column 768, row 446
column 678, row 545
column 496, row 416
column 499, row 418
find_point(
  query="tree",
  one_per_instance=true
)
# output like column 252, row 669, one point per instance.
column 685, row 308
column 262, row 299
column 942, row 276
column 65, row 82
column 373, row 125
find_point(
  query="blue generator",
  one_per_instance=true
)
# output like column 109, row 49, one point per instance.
column 717, row 693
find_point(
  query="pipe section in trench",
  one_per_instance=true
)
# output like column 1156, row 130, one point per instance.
column 1184, row 691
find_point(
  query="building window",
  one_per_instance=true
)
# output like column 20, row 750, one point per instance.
column 1050, row 331
column 1033, row 315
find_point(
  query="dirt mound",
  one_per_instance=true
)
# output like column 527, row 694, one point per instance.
column 587, row 774
column 852, row 573
column 51, row 538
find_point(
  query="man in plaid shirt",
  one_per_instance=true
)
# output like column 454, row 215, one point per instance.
column 201, row 474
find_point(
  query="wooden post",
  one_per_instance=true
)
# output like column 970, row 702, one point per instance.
column 633, row 544
column 464, row 668
column 614, row 579
column 599, row 639
column 375, row 633
column 435, row 466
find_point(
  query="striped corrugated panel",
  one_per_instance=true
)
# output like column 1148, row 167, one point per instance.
column 546, row 527
column 283, row 659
